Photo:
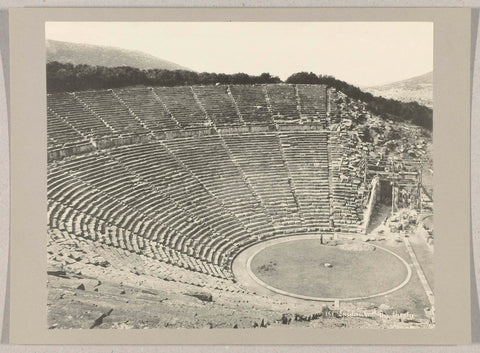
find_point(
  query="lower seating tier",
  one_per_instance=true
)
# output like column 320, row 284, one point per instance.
column 194, row 202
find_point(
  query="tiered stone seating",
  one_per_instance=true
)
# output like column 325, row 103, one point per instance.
column 155, row 261
column 208, row 160
column 77, row 224
column 64, row 140
column 59, row 131
column 306, row 155
column 346, row 185
column 163, row 183
column 260, row 159
column 66, row 106
column 145, row 105
column 155, row 165
column 251, row 103
column 313, row 102
column 165, row 263
column 283, row 102
column 66, row 229
column 182, row 106
column 217, row 104
column 112, row 178
column 76, row 194
column 107, row 107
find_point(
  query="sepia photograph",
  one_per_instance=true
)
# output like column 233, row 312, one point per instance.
column 240, row 175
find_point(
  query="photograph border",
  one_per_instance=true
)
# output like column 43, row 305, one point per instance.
column 452, row 179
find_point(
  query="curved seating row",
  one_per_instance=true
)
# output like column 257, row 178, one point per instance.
column 146, row 105
column 313, row 102
column 141, row 110
column 306, row 154
column 284, row 102
column 218, row 104
column 261, row 162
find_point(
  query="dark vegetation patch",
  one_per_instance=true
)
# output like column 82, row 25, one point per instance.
column 62, row 77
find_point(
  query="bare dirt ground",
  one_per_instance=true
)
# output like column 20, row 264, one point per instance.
column 352, row 270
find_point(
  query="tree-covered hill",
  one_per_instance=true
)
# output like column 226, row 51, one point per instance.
column 387, row 108
column 68, row 77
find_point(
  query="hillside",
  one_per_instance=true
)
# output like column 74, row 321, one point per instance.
column 418, row 89
column 96, row 55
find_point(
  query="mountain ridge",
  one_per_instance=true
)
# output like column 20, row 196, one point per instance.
column 109, row 56
column 414, row 89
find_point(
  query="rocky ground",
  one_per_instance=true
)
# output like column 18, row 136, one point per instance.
column 80, row 301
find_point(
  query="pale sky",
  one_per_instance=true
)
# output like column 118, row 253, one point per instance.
column 361, row 53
